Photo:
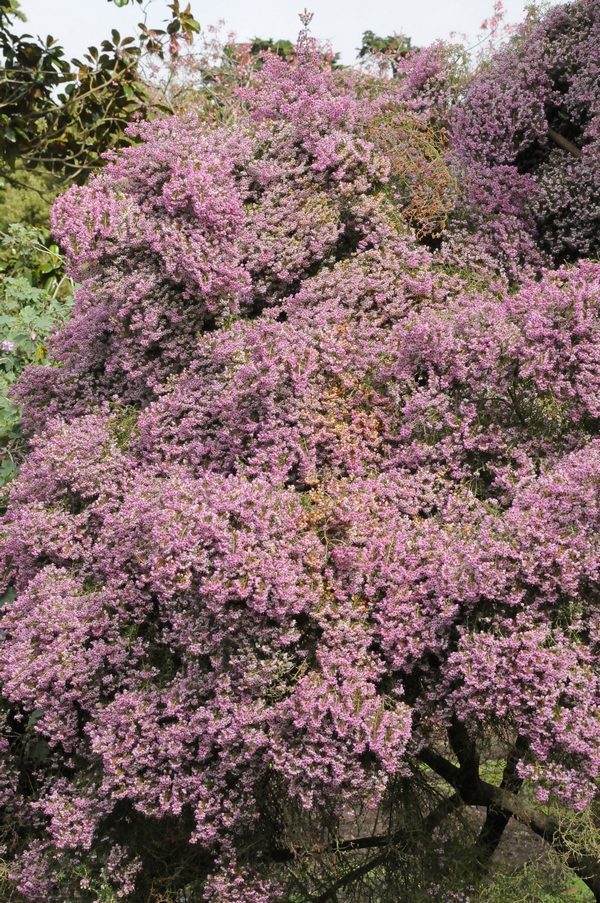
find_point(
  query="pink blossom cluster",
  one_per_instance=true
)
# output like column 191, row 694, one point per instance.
column 520, row 181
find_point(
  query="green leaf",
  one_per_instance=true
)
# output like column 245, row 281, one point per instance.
column 33, row 719
column 192, row 25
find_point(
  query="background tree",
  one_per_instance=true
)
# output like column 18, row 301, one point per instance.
column 384, row 52
column 61, row 116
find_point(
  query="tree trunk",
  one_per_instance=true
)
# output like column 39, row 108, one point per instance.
column 476, row 792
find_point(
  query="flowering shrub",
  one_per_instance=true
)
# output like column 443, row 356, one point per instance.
column 528, row 136
column 308, row 529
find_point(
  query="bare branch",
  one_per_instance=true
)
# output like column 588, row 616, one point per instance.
column 565, row 144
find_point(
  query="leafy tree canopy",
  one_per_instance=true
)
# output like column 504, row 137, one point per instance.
column 390, row 49
column 60, row 116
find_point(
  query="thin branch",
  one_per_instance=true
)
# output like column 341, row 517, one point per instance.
column 18, row 184
column 565, row 144
column 430, row 823
column 350, row 877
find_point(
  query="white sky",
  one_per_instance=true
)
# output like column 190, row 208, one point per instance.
column 78, row 23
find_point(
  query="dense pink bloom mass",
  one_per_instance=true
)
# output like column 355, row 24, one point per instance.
column 303, row 493
column 527, row 190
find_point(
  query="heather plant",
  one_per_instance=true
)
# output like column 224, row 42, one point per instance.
column 303, row 561
column 527, row 137
column 206, row 76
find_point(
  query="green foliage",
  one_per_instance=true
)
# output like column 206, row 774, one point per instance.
column 27, row 198
column 35, row 297
column 536, row 882
column 283, row 49
column 60, row 116
column 389, row 49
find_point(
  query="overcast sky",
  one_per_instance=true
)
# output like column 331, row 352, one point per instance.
column 78, row 23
